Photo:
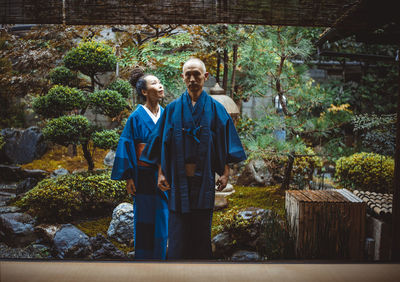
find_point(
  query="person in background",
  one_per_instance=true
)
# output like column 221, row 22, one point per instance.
column 194, row 139
column 150, row 203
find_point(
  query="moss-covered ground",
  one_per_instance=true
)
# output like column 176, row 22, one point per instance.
column 58, row 157
column 259, row 197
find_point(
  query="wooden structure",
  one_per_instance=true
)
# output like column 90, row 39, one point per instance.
column 327, row 224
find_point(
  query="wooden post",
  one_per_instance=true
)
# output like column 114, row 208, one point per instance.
column 396, row 182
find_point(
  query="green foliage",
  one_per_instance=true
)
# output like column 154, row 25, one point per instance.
column 107, row 102
column 378, row 133
column 2, row 141
column 106, row 139
column 66, row 130
column 366, row 171
column 63, row 76
column 163, row 57
column 123, row 87
column 59, row 100
column 61, row 198
column 91, row 57
column 303, row 168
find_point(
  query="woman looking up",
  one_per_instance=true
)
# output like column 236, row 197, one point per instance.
column 150, row 204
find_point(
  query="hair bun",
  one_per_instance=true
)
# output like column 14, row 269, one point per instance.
column 137, row 73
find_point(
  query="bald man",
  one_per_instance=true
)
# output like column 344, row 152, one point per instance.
column 194, row 139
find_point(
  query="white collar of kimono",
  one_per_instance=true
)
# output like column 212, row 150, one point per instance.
column 153, row 117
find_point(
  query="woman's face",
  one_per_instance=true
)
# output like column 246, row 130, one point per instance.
column 155, row 90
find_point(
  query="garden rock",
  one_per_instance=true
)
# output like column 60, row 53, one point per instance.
column 228, row 188
column 47, row 232
column 222, row 245
column 70, row 242
column 17, row 229
column 121, row 225
column 245, row 256
column 9, row 209
column 22, row 146
column 16, row 173
column 58, row 172
column 221, row 202
column 109, row 159
column 26, row 185
column 255, row 173
column 104, row 249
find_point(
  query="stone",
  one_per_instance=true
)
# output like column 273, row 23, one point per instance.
column 243, row 255
column 255, row 173
column 17, row 229
column 26, row 185
column 104, row 249
column 58, row 172
column 131, row 255
column 121, row 225
column 9, row 209
column 228, row 188
column 47, row 232
column 22, row 146
column 222, row 245
column 70, row 242
column 109, row 158
column 220, row 202
column 16, row 173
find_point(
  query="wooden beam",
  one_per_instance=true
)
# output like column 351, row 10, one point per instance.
column 396, row 184
column 364, row 57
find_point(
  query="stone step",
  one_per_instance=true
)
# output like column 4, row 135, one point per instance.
column 10, row 187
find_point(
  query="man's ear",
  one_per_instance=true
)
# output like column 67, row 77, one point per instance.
column 144, row 92
column 183, row 76
column 206, row 75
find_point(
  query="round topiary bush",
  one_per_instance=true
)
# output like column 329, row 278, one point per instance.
column 58, row 100
column 366, row 171
column 107, row 102
column 61, row 198
column 121, row 86
column 91, row 57
column 63, row 76
column 67, row 130
column 106, row 139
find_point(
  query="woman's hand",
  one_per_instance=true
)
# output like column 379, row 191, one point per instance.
column 130, row 186
column 162, row 181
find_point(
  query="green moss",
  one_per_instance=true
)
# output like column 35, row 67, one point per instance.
column 260, row 197
column 93, row 227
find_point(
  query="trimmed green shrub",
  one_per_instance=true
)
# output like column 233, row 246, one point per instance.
column 63, row 76
column 106, row 139
column 304, row 166
column 123, row 87
column 107, row 102
column 58, row 100
column 366, row 171
column 67, row 130
column 91, row 57
column 61, row 198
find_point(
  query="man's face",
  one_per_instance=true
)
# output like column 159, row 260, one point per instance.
column 194, row 76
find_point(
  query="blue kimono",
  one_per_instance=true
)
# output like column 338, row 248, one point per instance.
column 203, row 135
column 150, row 203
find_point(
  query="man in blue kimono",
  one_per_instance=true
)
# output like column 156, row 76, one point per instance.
column 194, row 139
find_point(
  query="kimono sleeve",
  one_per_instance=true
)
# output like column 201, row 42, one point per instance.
column 235, row 152
column 125, row 163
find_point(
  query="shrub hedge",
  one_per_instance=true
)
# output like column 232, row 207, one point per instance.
column 366, row 171
column 61, row 198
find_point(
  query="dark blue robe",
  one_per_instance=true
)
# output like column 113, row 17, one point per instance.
column 204, row 135
column 150, row 203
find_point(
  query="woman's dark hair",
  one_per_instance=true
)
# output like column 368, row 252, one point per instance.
column 138, row 81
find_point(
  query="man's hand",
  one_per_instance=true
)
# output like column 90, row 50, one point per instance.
column 223, row 179
column 130, row 186
column 162, row 181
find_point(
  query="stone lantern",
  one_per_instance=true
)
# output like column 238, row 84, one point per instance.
column 218, row 93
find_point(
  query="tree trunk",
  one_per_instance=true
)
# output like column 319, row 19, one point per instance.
column 288, row 172
column 218, row 67
column 226, row 61
column 233, row 78
column 88, row 156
